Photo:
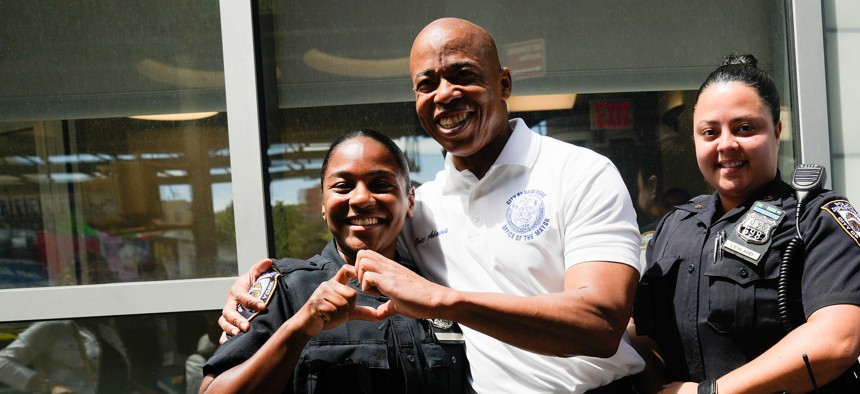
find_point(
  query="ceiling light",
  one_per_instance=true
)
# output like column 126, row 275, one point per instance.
column 176, row 117
column 180, row 76
column 362, row 68
column 541, row 102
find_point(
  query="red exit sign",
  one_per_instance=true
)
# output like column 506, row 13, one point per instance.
column 611, row 115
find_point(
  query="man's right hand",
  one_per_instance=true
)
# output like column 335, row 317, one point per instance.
column 231, row 321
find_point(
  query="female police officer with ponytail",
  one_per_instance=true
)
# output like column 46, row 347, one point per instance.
column 710, row 297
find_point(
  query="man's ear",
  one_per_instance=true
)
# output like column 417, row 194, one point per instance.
column 507, row 83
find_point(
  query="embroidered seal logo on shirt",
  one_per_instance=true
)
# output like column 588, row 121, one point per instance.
column 847, row 216
column 526, row 215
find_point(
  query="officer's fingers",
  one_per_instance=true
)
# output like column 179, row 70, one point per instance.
column 370, row 282
column 334, row 294
column 367, row 261
column 359, row 266
column 386, row 310
column 222, row 338
column 323, row 309
column 344, row 274
column 365, row 313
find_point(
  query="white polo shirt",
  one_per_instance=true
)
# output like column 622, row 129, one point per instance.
column 544, row 206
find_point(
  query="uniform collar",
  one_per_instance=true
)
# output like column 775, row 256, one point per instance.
column 330, row 253
column 705, row 207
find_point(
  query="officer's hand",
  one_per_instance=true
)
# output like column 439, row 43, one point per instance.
column 333, row 303
column 409, row 294
column 231, row 321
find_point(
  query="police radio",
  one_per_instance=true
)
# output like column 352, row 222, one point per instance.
column 807, row 178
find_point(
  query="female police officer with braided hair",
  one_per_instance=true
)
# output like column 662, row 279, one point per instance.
column 709, row 297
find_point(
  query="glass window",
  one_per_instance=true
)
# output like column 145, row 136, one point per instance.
column 842, row 40
column 123, row 354
column 614, row 76
column 114, row 161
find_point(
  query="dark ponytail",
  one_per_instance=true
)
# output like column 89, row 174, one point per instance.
column 744, row 69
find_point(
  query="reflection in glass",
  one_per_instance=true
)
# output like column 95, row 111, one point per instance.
column 114, row 200
column 132, row 354
column 627, row 75
column 87, row 194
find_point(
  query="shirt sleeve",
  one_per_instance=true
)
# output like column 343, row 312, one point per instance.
column 831, row 265
column 264, row 324
column 600, row 225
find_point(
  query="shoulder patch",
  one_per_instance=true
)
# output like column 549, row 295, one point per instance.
column 844, row 213
column 263, row 289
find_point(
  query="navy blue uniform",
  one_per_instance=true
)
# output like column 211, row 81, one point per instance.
column 398, row 355
column 710, row 310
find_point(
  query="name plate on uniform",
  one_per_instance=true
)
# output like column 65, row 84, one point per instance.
column 752, row 236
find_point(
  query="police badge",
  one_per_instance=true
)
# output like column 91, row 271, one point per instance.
column 446, row 331
column 751, row 238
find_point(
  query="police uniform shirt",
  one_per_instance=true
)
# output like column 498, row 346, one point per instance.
column 542, row 207
column 712, row 311
column 398, row 355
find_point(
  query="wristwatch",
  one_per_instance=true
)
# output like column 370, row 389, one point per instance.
column 708, row 386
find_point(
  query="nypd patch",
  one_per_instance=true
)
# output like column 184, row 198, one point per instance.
column 262, row 289
column 526, row 218
column 844, row 213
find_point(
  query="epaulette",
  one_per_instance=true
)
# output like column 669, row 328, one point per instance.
column 287, row 265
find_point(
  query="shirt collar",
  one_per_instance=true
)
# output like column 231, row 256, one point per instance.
column 521, row 149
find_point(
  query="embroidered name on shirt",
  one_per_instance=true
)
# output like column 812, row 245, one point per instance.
column 526, row 218
column 433, row 234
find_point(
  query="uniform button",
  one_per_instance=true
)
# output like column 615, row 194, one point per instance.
column 411, row 359
column 691, row 268
column 475, row 218
column 744, row 273
column 454, row 359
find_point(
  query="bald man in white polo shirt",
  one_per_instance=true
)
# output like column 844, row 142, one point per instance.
column 531, row 244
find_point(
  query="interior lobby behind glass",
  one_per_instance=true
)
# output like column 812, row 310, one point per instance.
column 617, row 78
column 113, row 140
